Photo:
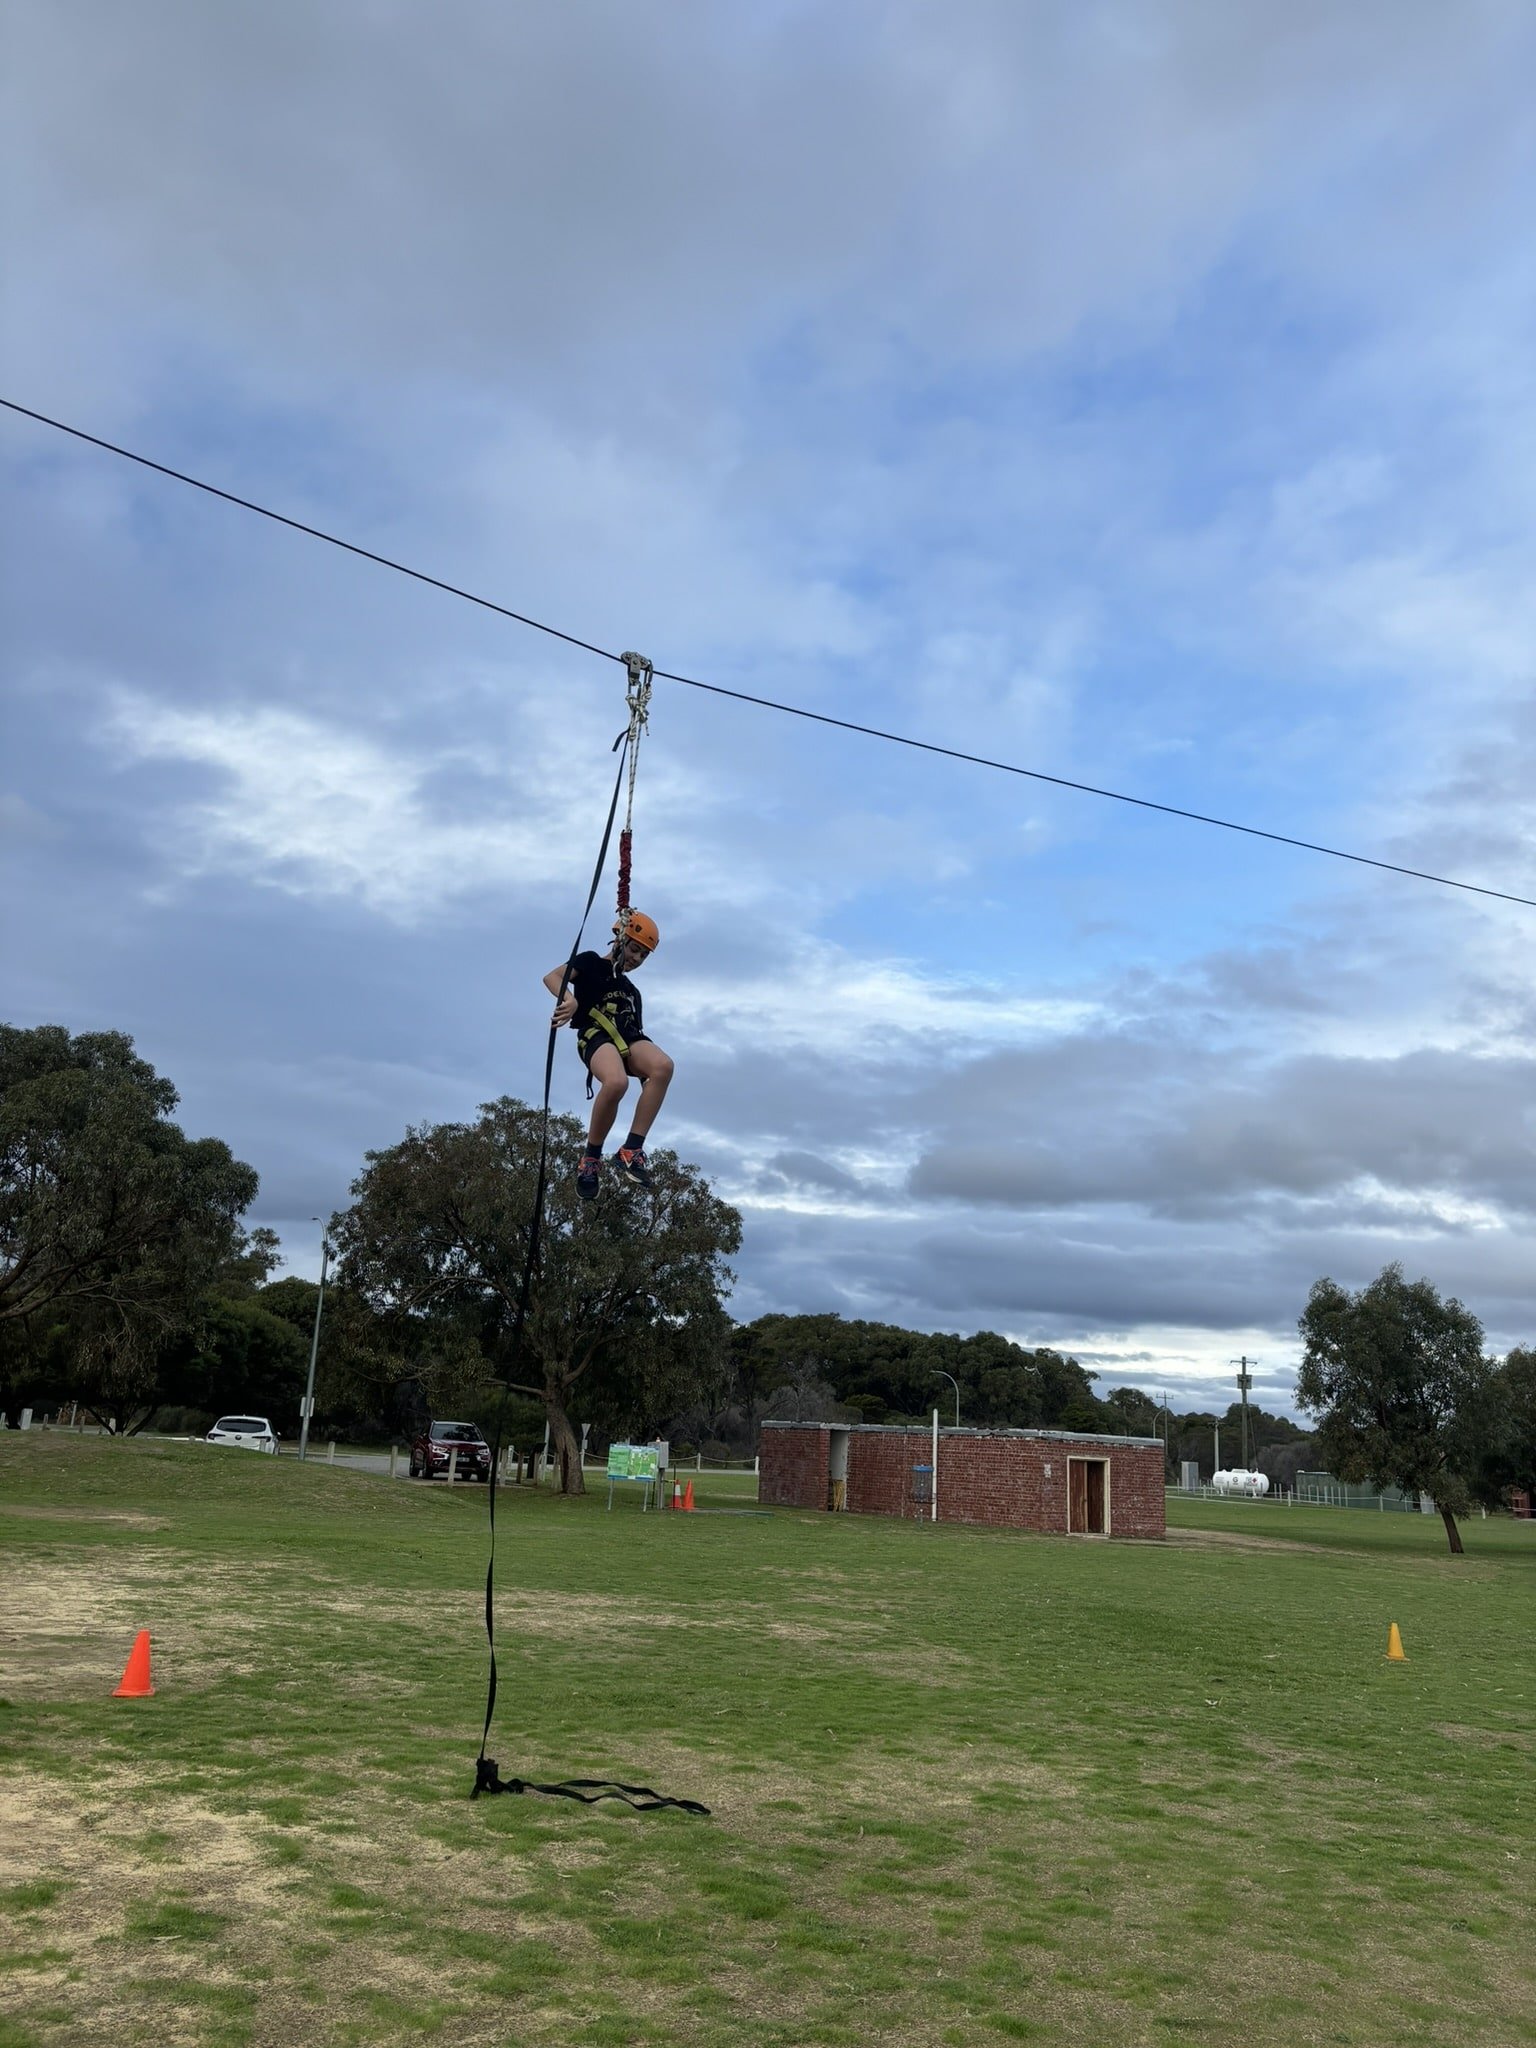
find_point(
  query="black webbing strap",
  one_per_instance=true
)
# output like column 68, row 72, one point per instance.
column 587, row 1790
column 487, row 1778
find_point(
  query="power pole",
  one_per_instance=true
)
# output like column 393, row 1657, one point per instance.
column 314, row 1349
column 1244, row 1382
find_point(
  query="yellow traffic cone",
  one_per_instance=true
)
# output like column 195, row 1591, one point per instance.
column 1396, row 1654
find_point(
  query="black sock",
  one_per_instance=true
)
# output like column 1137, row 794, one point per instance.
column 593, row 1151
column 634, row 1142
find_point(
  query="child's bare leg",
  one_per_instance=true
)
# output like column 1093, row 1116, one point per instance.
column 607, row 1069
column 653, row 1069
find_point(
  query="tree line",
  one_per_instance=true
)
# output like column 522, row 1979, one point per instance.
column 130, row 1283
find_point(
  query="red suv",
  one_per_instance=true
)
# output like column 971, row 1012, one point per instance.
column 430, row 1453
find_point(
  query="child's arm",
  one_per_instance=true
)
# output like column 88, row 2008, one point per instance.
column 565, row 1009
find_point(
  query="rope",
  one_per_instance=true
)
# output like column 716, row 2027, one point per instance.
column 487, row 1777
column 638, row 697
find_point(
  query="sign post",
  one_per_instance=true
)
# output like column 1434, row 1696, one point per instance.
column 637, row 1462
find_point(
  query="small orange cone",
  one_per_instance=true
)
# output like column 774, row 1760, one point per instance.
column 135, row 1682
column 677, row 1496
column 1396, row 1654
column 688, row 1506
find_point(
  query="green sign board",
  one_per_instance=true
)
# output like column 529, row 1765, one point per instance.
column 632, row 1461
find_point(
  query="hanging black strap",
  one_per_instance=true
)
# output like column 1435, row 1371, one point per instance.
column 588, row 1790
column 487, row 1778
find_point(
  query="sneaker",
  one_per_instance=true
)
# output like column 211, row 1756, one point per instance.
column 633, row 1166
column 587, row 1174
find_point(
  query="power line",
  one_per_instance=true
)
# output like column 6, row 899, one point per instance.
column 873, row 732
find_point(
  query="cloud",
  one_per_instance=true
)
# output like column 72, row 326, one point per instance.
column 479, row 193
column 805, row 1169
column 304, row 807
column 1188, row 1132
column 878, row 1013
column 1137, row 395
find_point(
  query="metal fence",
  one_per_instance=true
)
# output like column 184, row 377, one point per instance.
column 1328, row 1493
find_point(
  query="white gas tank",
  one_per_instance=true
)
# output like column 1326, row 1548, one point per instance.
column 1255, row 1484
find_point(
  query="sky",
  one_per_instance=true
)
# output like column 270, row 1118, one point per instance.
column 1138, row 391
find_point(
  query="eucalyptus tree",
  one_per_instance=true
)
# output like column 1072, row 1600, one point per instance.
column 626, row 1302
column 1403, row 1394
column 113, row 1223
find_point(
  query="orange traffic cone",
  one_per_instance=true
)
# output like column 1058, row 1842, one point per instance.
column 688, row 1506
column 1396, row 1654
column 135, row 1681
column 677, row 1496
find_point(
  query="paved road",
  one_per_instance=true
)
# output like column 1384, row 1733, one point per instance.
column 360, row 1461
column 372, row 1461
column 364, row 1461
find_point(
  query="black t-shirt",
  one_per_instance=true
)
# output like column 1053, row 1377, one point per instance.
column 607, row 1002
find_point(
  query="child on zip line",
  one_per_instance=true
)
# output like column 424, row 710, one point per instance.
column 602, row 1005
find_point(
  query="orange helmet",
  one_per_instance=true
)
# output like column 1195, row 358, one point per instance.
column 634, row 924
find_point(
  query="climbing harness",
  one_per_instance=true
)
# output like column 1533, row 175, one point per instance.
column 487, row 1776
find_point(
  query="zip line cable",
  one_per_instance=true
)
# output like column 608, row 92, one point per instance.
column 1143, row 803
column 315, row 532
column 873, row 732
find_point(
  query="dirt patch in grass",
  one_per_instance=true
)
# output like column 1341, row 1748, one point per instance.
column 805, row 1571
column 112, row 1857
column 55, row 1832
column 866, row 1781
column 1485, row 1738
column 156, row 1895
column 71, row 1615
column 566, row 1614
column 126, row 1521
column 1231, row 1539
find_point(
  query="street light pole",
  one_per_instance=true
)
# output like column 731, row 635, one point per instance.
column 941, row 1374
column 314, row 1348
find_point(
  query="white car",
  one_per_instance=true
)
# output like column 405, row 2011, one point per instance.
column 249, row 1432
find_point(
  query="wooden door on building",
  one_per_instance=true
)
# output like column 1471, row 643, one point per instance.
column 1087, row 1490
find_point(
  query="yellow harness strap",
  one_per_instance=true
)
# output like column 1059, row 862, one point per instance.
column 604, row 1023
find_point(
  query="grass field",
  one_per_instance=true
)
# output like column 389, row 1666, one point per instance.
column 966, row 1786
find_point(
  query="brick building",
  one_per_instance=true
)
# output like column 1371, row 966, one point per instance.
column 1053, row 1480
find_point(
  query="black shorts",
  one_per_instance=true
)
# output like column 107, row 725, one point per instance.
column 589, row 1042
